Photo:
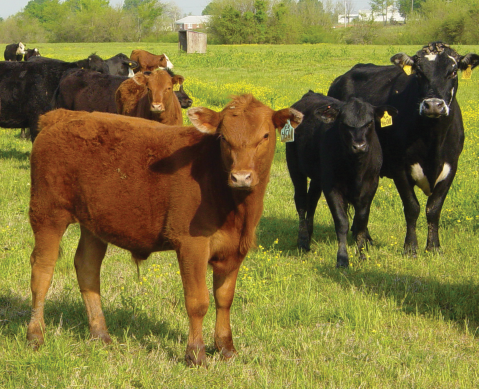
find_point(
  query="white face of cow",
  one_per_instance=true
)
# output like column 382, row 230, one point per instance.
column 169, row 65
column 131, row 73
column 21, row 49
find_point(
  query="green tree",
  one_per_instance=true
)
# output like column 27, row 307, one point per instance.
column 145, row 12
column 381, row 7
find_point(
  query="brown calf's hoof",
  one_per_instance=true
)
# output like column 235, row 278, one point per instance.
column 226, row 348
column 34, row 341
column 195, row 356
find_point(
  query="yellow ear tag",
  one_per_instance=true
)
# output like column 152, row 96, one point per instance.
column 176, row 87
column 386, row 120
column 287, row 132
column 467, row 74
column 407, row 69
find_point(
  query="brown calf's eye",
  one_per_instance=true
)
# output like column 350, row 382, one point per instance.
column 266, row 136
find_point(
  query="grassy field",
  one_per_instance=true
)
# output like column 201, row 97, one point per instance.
column 389, row 322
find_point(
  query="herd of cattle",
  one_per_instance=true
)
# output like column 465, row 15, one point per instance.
column 199, row 189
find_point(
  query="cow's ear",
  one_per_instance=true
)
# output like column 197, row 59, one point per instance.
column 327, row 113
column 140, row 78
column 204, row 119
column 281, row 117
column 404, row 62
column 468, row 59
column 178, row 79
column 381, row 110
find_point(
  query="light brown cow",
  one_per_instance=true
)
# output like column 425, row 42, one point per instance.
column 197, row 190
column 149, row 62
column 150, row 96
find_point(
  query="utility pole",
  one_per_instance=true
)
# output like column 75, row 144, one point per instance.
column 344, row 13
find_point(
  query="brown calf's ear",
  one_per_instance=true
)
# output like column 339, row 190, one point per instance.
column 178, row 79
column 204, row 119
column 140, row 78
column 281, row 117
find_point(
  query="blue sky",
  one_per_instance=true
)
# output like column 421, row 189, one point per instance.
column 195, row 7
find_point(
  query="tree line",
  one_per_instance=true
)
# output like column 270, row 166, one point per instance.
column 245, row 22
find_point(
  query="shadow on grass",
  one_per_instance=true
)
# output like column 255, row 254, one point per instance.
column 68, row 315
column 415, row 295
column 286, row 231
column 22, row 156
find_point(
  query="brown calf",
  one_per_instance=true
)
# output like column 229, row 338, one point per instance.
column 148, row 62
column 150, row 96
column 197, row 190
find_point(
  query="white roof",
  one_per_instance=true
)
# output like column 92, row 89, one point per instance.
column 194, row 20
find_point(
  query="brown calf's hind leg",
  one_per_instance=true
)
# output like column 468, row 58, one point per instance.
column 193, row 261
column 224, row 290
column 88, row 259
column 42, row 260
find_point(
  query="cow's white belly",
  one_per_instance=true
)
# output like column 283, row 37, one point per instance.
column 421, row 180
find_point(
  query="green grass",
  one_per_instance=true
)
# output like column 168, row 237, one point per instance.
column 389, row 322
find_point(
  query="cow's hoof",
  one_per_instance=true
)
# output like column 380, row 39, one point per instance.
column 434, row 250
column 103, row 336
column 34, row 341
column 195, row 356
column 226, row 348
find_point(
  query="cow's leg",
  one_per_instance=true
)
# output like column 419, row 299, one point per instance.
column 360, row 232
column 224, row 290
column 300, row 183
column 314, row 193
column 193, row 261
column 411, row 211
column 88, row 258
column 338, row 207
column 43, row 259
column 24, row 134
column 434, row 208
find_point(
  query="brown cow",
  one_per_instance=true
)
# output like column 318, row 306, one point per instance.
column 150, row 96
column 197, row 190
column 149, row 62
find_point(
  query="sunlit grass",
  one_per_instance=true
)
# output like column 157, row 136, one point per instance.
column 388, row 322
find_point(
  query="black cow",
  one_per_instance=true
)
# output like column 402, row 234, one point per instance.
column 424, row 143
column 93, row 62
column 83, row 90
column 337, row 147
column 14, row 52
column 31, row 53
column 183, row 98
column 121, row 65
column 26, row 91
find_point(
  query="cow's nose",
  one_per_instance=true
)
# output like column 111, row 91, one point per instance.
column 360, row 147
column 157, row 107
column 189, row 102
column 434, row 107
column 241, row 179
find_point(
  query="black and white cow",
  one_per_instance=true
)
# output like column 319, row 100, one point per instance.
column 121, row 65
column 31, row 53
column 424, row 143
column 337, row 147
column 14, row 52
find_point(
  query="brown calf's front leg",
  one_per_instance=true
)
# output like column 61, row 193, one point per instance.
column 42, row 260
column 193, row 262
column 224, row 290
column 88, row 259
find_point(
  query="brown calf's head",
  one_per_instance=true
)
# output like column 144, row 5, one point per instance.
column 246, row 131
column 159, row 85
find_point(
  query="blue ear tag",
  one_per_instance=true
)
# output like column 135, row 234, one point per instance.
column 287, row 132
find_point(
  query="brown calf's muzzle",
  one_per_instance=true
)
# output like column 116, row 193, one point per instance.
column 241, row 179
column 157, row 107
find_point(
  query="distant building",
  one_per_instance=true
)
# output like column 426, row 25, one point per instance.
column 192, row 22
column 391, row 15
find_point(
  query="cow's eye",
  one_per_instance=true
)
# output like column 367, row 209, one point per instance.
column 221, row 137
column 453, row 74
column 266, row 136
